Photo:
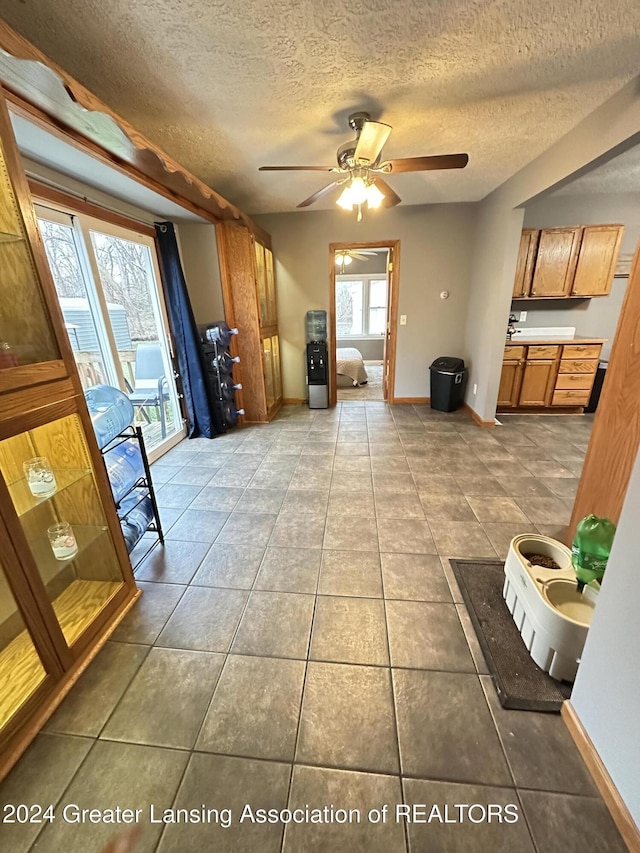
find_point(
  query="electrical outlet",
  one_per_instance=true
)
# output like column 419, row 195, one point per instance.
column 523, row 316
column 403, row 319
column 475, row 388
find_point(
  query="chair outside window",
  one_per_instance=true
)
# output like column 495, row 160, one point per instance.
column 151, row 389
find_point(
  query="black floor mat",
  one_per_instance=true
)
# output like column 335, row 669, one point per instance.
column 519, row 682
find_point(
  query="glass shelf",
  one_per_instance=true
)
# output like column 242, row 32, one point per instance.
column 6, row 237
column 24, row 501
column 48, row 565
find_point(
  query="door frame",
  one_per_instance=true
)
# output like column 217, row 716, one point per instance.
column 392, row 311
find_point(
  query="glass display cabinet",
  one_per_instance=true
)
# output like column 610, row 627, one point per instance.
column 65, row 576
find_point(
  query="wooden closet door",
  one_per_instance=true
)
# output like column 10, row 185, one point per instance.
column 597, row 260
column 526, row 262
column 556, row 262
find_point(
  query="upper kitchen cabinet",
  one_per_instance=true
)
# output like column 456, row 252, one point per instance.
column 33, row 343
column 555, row 262
column 562, row 263
column 526, row 262
column 597, row 260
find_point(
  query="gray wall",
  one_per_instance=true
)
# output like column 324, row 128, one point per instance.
column 372, row 349
column 199, row 253
column 500, row 218
column 606, row 694
column 435, row 255
column 591, row 317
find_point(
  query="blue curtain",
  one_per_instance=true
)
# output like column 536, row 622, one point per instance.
column 185, row 334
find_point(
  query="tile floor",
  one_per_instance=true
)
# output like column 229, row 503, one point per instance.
column 301, row 640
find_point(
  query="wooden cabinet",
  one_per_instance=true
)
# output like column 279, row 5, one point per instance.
column 597, row 260
column 526, row 262
column 249, row 292
column 555, row 262
column 560, row 263
column 547, row 375
column 62, row 590
column 511, row 377
column 537, row 382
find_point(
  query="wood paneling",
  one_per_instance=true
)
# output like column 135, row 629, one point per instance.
column 617, row 807
column 537, row 383
column 597, row 260
column 615, row 437
column 556, row 261
column 526, row 262
column 238, row 274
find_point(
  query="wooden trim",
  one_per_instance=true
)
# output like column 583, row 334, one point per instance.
column 29, row 375
column 417, row 401
column 540, row 410
column 476, row 417
column 394, row 249
column 615, row 436
column 293, row 401
column 621, row 815
column 17, row 746
column 78, row 205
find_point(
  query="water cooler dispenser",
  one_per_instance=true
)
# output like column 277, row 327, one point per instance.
column 317, row 360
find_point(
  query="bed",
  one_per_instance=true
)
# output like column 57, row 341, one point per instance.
column 350, row 366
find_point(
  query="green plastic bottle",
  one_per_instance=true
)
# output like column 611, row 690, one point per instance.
column 591, row 548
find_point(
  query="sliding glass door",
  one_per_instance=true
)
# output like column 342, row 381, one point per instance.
column 108, row 284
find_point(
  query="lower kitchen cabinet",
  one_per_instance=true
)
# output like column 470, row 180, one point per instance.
column 537, row 383
column 548, row 375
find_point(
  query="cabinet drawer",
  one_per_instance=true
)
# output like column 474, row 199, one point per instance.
column 511, row 353
column 575, row 365
column 581, row 350
column 570, row 398
column 542, row 352
column 579, row 381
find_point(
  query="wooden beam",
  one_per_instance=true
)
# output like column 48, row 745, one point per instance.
column 63, row 103
column 617, row 807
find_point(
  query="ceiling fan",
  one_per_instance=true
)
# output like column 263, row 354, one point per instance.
column 346, row 256
column 360, row 167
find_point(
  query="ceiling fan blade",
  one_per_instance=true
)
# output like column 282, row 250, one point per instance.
column 320, row 193
column 296, row 169
column 372, row 138
column 391, row 197
column 360, row 256
column 425, row 164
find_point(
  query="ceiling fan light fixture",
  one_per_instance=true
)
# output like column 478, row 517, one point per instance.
column 358, row 191
column 345, row 201
column 374, row 196
column 342, row 259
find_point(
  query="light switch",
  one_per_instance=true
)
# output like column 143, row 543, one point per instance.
column 403, row 319
column 523, row 316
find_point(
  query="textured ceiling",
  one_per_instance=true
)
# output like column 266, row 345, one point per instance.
column 227, row 85
column 619, row 175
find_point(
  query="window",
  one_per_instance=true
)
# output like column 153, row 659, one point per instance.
column 361, row 306
column 107, row 280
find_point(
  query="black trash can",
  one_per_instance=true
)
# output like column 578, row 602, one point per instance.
column 594, row 399
column 448, row 381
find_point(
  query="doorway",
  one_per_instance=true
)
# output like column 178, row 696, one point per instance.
column 108, row 285
column 363, row 281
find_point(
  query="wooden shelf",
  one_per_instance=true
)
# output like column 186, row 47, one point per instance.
column 80, row 603
column 21, row 672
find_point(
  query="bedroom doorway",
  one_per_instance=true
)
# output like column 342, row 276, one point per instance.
column 362, row 320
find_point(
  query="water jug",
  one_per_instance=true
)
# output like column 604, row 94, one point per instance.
column 124, row 467
column 217, row 333
column 140, row 515
column 224, row 363
column 316, row 326
column 111, row 412
column 230, row 413
column 591, row 548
